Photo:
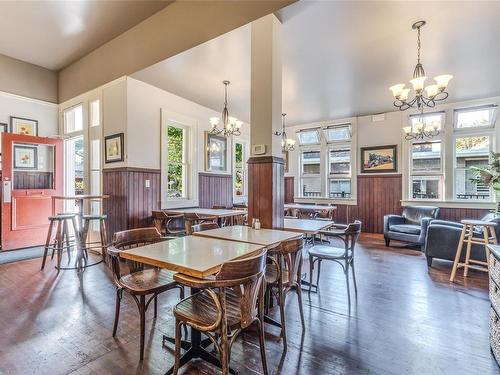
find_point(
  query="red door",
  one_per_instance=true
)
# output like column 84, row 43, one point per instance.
column 32, row 172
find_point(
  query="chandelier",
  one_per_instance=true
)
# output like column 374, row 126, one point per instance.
column 421, row 130
column 287, row 144
column 230, row 125
column 433, row 93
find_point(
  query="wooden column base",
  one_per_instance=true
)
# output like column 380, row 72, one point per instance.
column 266, row 191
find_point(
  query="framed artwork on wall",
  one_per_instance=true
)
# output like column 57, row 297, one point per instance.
column 113, row 148
column 25, row 157
column 23, row 126
column 215, row 153
column 379, row 159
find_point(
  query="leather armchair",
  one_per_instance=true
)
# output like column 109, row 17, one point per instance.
column 410, row 226
column 443, row 237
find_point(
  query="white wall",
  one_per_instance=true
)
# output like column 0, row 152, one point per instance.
column 19, row 106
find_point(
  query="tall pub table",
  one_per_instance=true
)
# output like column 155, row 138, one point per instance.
column 80, row 199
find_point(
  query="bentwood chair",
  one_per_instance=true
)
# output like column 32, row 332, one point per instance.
column 228, row 303
column 192, row 218
column 343, row 256
column 140, row 282
column 166, row 223
column 204, row 226
column 283, row 275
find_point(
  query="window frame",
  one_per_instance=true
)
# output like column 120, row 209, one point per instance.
column 339, row 146
column 302, row 176
column 491, row 125
column 347, row 125
column 440, row 174
column 317, row 130
column 244, row 168
column 184, row 164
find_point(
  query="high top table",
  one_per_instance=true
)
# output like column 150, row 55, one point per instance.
column 198, row 257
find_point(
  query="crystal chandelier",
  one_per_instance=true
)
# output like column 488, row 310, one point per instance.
column 433, row 93
column 230, row 125
column 287, row 144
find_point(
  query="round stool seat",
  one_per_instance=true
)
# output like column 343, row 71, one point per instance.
column 479, row 222
column 95, row 217
column 62, row 216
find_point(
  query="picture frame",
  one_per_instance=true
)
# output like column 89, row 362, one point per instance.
column 215, row 153
column 379, row 159
column 25, row 157
column 23, row 126
column 114, row 148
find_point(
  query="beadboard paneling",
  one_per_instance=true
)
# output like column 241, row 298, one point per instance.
column 215, row 189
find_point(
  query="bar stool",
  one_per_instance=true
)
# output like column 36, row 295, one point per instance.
column 102, row 243
column 62, row 235
column 467, row 237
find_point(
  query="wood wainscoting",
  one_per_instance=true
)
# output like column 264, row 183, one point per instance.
column 215, row 189
column 380, row 195
column 131, row 201
column 289, row 189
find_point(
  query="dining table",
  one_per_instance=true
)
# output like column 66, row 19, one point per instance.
column 306, row 226
column 198, row 257
column 208, row 213
column 81, row 261
column 314, row 207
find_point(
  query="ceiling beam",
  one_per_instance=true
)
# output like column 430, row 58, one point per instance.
column 178, row 27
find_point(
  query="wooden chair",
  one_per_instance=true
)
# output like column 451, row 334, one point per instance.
column 343, row 256
column 140, row 282
column 164, row 222
column 229, row 302
column 204, row 226
column 225, row 221
column 193, row 219
column 283, row 275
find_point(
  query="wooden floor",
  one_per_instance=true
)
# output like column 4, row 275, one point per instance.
column 407, row 320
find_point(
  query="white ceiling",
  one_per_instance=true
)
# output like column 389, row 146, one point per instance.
column 339, row 58
column 53, row 34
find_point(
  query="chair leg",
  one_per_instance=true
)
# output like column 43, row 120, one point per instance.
column 301, row 308
column 346, row 271
column 387, row 242
column 311, row 269
column 262, row 343
column 156, row 306
column 104, row 239
column 47, row 243
column 354, row 278
column 177, row 352
column 317, row 276
column 282, row 298
column 66, row 239
column 429, row 261
column 60, row 244
column 119, row 295
column 142, row 313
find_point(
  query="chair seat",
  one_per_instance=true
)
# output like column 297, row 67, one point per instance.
column 405, row 228
column 95, row 217
column 147, row 281
column 328, row 252
column 200, row 309
column 62, row 216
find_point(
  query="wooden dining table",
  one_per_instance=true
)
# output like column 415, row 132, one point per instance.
column 213, row 213
column 198, row 257
column 314, row 207
column 306, row 226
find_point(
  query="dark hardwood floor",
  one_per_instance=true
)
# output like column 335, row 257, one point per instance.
column 407, row 320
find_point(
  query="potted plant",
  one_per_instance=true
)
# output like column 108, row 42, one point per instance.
column 490, row 176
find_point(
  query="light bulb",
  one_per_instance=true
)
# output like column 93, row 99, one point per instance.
column 432, row 91
column 442, row 81
column 404, row 95
column 429, row 128
column 419, row 126
column 397, row 89
column 214, row 121
column 418, row 83
column 238, row 124
column 435, row 125
column 407, row 130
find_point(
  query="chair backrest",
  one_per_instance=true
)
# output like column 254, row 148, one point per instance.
column 129, row 239
column 244, row 278
column 415, row 214
column 204, row 226
column 290, row 258
column 352, row 233
column 219, row 207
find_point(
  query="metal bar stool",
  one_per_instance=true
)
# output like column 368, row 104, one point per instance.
column 103, row 237
column 62, row 236
column 471, row 236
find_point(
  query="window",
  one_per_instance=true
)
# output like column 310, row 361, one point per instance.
column 73, row 119
column 335, row 133
column 470, row 152
column 95, row 117
column 426, row 170
column 340, row 188
column 310, row 169
column 308, row 137
column 340, row 166
column 484, row 116
column 176, row 161
column 239, row 169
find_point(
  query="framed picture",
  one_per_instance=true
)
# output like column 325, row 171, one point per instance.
column 4, row 128
column 24, row 126
column 216, row 153
column 113, row 148
column 379, row 159
column 25, row 157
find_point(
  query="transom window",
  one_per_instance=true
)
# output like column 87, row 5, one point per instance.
column 335, row 133
column 476, row 117
column 308, row 137
column 73, row 119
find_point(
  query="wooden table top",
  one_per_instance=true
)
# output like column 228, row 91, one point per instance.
column 306, row 226
column 207, row 211
column 479, row 222
column 190, row 255
column 242, row 233
column 82, row 196
column 310, row 206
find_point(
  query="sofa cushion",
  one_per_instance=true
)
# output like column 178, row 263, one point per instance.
column 405, row 228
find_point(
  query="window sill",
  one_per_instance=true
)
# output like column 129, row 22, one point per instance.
column 346, row 201
column 450, row 204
